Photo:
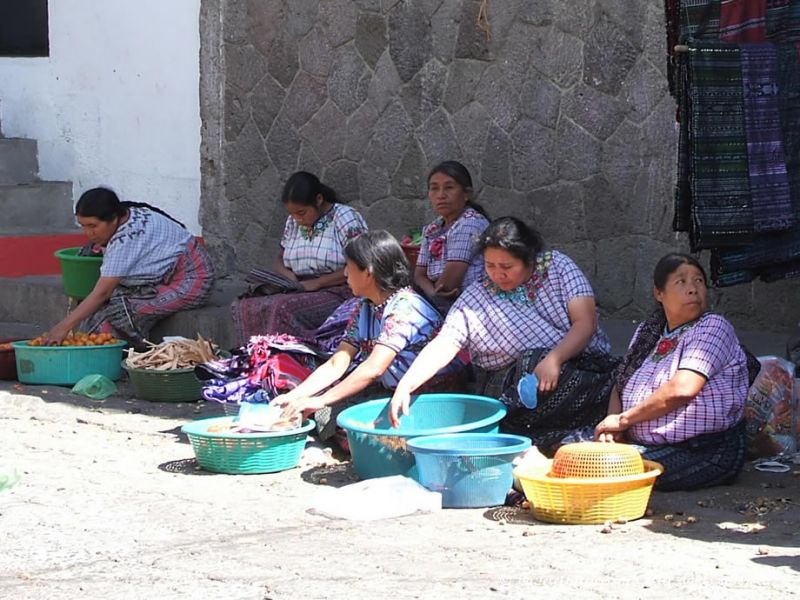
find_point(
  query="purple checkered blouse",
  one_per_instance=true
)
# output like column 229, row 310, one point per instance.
column 708, row 346
column 319, row 249
column 454, row 243
column 496, row 327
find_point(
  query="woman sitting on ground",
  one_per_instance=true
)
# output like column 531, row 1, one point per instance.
column 312, row 253
column 152, row 267
column 682, row 387
column 533, row 311
column 389, row 326
column 449, row 260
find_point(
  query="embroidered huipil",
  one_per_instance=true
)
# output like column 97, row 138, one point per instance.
column 454, row 243
column 404, row 323
column 709, row 347
column 144, row 248
column 496, row 327
column 319, row 249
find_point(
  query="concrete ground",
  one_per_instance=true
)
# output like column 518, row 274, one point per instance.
column 111, row 504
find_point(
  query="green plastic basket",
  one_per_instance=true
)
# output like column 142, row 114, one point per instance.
column 66, row 365
column 175, row 385
column 79, row 274
column 246, row 453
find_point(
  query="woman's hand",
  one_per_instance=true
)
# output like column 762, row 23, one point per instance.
column 443, row 294
column 401, row 401
column 57, row 334
column 547, row 372
column 306, row 406
column 610, row 429
column 311, row 285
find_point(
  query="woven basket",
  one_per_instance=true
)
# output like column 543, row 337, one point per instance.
column 591, row 460
column 246, row 453
column 610, row 484
column 175, row 385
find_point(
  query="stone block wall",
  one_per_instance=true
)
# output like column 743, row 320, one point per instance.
column 562, row 117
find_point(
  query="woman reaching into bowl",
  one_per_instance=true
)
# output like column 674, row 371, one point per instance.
column 152, row 267
column 532, row 312
column 389, row 326
column 682, row 387
column 449, row 260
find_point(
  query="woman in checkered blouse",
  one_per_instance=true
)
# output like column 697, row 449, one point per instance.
column 388, row 327
column 312, row 252
column 533, row 311
column 682, row 388
column 449, row 260
column 152, row 267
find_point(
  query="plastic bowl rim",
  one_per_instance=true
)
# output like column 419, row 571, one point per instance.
column 181, row 371
column 418, row 444
column 62, row 254
column 192, row 429
column 501, row 410
column 652, row 469
column 24, row 345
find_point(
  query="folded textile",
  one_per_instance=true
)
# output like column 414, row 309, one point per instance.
column 721, row 204
column 769, row 184
column 264, row 283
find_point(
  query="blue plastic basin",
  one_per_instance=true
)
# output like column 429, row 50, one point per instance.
column 471, row 470
column 379, row 450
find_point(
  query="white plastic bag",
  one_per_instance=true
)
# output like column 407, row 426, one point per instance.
column 379, row 498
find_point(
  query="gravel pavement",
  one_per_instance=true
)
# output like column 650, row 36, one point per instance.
column 110, row 504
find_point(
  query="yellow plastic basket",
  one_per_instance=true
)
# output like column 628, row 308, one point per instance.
column 588, row 501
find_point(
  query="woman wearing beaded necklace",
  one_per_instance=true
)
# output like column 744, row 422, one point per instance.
column 449, row 260
column 533, row 312
column 312, row 252
column 389, row 326
column 682, row 387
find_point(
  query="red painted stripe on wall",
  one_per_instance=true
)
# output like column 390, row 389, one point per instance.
column 33, row 254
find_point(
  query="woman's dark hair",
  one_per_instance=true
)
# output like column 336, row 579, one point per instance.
column 104, row 204
column 513, row 236
column 303, row 188
column 380, row 253
column 669, row 263
column 454, row 169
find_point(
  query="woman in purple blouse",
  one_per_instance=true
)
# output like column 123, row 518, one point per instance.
column 531, row 313
column 449, row 260
column 682, row 388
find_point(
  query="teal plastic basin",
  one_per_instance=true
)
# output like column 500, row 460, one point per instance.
column 379, row 450
column 65, row 365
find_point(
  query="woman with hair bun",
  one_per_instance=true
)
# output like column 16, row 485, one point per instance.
column 312, row 254
column 389, row 326
column 152, row 267
column 533, row 313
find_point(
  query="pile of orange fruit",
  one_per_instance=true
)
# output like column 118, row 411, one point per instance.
column 6, row 346
column 78, row 339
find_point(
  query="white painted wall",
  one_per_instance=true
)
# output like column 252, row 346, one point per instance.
column 116, row 102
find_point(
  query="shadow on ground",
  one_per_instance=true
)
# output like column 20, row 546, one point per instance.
column 121, row 402
column 337, row 476
column 184, row 466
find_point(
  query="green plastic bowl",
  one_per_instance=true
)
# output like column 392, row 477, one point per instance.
column 246, row 453
column 79, row 274
column 175, row 385
column 66, row 365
